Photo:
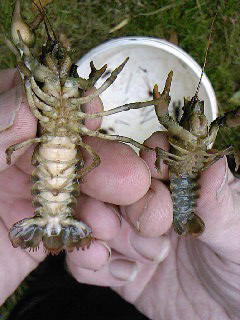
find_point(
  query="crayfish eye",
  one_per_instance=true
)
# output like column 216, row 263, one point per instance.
column 199, row 107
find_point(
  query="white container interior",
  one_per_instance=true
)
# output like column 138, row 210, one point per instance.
column 150, row 62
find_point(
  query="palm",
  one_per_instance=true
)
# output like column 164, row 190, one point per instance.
column 194, row 278
column 180, row 286
column 199, row 277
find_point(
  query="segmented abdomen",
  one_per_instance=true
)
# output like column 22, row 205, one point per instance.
column 56, row 187
column 56, row 178
column 184, row 193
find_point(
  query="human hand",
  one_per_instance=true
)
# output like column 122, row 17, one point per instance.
column 122, row 178
column 166, row 276
column 158, row 273
column 15, row 183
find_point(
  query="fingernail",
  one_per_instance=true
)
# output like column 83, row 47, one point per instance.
column 224, row 180
column 136, row 212
column 10, row 102
column 149, row 195
column 115, row 210
column 125, row 270
column 17, row 79
column 107, row 247
column 153, row 249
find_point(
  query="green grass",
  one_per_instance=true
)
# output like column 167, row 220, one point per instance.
column 87, row 24
column 11, row 301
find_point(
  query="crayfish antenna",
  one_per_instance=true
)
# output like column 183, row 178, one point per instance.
column 47, row 23
column 195, row 97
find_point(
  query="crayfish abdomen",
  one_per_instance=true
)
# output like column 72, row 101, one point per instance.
column 184, row 194
column 55, row 94
column 56, row 186
column 188, row 157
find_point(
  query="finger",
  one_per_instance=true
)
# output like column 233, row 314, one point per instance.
column 8, row 79
column 15, row 185
column 94, row 258
column 127, row 277
column 151, row 216
column 121, row 178
column 15, row 265
column 12, row 212
column 23, row 128
column 16, row 118
column 106, row 225
column 118, row 272
column 103, row 219
column 93, row 106
column 24, row 162
column 157, row 139
column 10, row 102
column 219, row 209
column 138, row 248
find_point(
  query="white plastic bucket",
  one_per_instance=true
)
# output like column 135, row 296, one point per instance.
column 150, row 61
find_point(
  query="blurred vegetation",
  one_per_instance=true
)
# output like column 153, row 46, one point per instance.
column 12, row 300
column 85, row 24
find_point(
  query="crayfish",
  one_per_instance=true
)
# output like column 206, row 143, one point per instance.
column 55, row 95
column 189, row 140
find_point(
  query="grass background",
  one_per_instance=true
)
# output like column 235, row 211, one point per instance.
column 85, row 24
column 88, row 23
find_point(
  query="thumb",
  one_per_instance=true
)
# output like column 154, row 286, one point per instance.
column 218, row 206
column 17, row 123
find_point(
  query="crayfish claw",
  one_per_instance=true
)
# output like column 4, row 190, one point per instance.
column 163, row 99
column 19, row 26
